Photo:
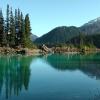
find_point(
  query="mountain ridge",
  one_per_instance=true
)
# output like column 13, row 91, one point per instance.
column 63, row 34
column 58, row 35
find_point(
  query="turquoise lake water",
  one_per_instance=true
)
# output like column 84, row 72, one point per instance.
column 50, row 77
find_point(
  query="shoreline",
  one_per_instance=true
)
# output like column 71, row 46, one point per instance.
column 35, row 52
column 22, row 51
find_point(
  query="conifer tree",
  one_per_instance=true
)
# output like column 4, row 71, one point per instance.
column 19, row 28
column 27, row 25
column 23, row 37
column 27, row 30
column 16, row 26
column 7, row 25
column 1, row 28
column 12, row 29
column 82, row 37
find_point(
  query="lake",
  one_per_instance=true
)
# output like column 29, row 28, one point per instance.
column 50, row 77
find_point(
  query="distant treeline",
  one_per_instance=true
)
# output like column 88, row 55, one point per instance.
column 86, row 40
column 71, row 37
column 15, row 29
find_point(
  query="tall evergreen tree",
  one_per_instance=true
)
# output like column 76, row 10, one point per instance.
column 23, row 37
column 12, row 29
column 1, row 27
column 27, row 30
column 27, row 25
column 7, row 25
column 16, row 25
column 19, row 28
column 82, row 38
column 4, row 38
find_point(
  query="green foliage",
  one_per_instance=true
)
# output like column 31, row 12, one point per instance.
column 1, row 27
column 12, row 29
column 29, row 44
column 15, row 30
column 27, row 32
column 7, row 27
column 23, row 36
column 82, row 37
column 86, row 41
column 59, row 35
column 27, row 25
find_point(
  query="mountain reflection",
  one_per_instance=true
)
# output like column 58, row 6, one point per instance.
column 14, row 74
column 15, row 71
column 89, row 64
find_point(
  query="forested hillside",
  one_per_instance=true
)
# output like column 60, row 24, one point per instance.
column 59, row 35
column 88, row 40
column 88, row 33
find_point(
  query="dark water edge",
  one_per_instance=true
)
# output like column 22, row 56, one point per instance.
column 50, row 77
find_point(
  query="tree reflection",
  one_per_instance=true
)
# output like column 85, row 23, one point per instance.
column 89, row 64
column 14, row 74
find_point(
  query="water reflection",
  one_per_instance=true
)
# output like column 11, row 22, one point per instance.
column 89, row 64
column 52, row 76
column 14, row 74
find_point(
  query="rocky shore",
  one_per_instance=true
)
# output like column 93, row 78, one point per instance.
column 44, row 50
column 74, row 50
column 22, row 51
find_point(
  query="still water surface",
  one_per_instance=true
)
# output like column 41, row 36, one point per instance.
column 50, row 77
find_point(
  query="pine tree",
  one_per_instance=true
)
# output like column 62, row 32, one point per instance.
column 1, row 27
column 12, row 29
column 27, row 25
column 27, row 30
column 23, row 37
column 7, row 26
column 19, row 28
column 16, row 26
column 15, row 30
column 4, row 38
column 82, row 37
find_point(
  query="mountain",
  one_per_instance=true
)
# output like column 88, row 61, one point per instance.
column 92, row 27
column 65, row 34
column 59, row 35
column 33, row 37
